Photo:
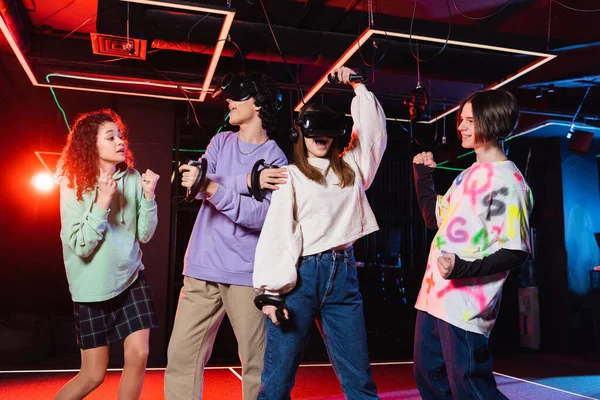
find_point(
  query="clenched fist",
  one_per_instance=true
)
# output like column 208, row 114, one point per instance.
column 189, row 175
column 149, row 181
column 446, row 264
column 343, row 74
column 425, row 158
column 107, row 188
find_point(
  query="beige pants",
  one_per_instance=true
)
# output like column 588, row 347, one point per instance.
column 202, row 306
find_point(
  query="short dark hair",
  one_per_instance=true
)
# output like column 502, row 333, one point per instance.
column 266, row 98
column 495, row 113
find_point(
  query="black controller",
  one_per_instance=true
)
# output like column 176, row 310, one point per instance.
column 200, row 181
column 255, row 178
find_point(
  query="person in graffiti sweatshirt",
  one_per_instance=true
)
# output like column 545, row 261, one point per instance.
column 483, row 233
column 106, row 210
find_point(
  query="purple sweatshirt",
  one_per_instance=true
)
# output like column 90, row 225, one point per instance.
column 223, row 241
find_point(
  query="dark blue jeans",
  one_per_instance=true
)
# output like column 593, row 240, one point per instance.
column 327, row 289
column 451, row 362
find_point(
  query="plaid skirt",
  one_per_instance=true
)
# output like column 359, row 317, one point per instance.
column 104, row 322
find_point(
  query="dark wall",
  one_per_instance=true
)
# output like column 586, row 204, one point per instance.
column 151, row 124
column 581, row 200
column 36, row 323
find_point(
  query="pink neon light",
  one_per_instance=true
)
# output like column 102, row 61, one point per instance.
column 214, row 60
column 15, row 47
column 229, row 16
column 340, row 62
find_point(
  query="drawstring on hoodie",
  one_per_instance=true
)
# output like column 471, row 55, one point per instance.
column 120, row 182
column 121, row 198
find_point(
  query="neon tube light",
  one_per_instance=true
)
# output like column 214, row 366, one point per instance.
column 173, row 4
column 227, row 22
column 15, row 47
column 533, row 129
column 544, row 58
column 38, row 154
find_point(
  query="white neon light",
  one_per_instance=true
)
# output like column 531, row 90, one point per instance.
column 181, row 6
column 463, row 44
column 545, row 57
column 126, row 81
column 227, row 22
column 123, row 92
column 551, row 123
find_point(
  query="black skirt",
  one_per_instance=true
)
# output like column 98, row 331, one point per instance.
column 104, row 322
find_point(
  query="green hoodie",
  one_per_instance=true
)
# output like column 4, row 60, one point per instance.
column 101, row 247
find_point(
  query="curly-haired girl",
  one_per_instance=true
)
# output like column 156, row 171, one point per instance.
column 106, row 210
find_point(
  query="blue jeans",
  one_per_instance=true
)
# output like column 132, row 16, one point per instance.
column 451, row 362
column 327, row 289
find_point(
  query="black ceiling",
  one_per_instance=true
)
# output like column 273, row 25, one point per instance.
column 312, row 34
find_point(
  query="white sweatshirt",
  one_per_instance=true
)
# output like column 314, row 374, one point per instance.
column 307, row 218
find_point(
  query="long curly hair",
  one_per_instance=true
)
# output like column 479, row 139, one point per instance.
column 79, row 159
column 267, row 98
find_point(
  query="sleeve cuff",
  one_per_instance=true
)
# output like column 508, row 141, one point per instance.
column 241, row 185
column 148, row 203
column 99, row 212
column 217, row 197
column 361, row 89
column 423, row 170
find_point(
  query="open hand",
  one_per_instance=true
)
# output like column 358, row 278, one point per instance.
column 270, row 178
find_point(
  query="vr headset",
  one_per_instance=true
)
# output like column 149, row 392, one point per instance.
column 236, row 88
column 318, row 124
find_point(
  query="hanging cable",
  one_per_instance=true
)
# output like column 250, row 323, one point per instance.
column 280, row 52
column 485, row 16
column 56, row 12
column 370, row 21
column 412, row 20
column 581, row 104
column 575, row 9
column 178, row 87
column 192, row 28
column 549, row 24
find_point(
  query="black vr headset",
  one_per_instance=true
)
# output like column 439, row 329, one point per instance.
column 236, row 88
column 319, row 123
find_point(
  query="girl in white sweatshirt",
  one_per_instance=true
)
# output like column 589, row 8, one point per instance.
column 304, row 259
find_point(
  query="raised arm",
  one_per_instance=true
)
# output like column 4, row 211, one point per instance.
column 369, row 134
column 423, row 167
column 279, row 245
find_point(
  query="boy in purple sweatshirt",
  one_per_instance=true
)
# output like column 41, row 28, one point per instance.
column 219, row 259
